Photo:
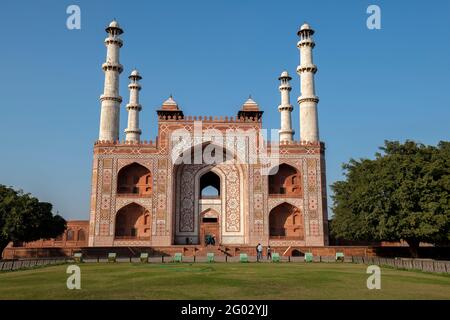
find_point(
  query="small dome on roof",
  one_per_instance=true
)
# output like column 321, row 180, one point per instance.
column 170, row 101
column 250, row 105
column 135, row 73
column 170, row 104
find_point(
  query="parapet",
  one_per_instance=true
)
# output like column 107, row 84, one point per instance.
column 118, row 143
column 222, row 119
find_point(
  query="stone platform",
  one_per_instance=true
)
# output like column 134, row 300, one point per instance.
column 186, row 250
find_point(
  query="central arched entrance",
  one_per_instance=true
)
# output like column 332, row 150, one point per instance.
column 201, row 186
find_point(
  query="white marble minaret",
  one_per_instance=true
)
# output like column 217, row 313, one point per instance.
column 285, row 108
column 309, row 127
column 132, row 132
column 110, row 99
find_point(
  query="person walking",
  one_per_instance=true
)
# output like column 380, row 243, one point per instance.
column 269, row 253
column 259, row 249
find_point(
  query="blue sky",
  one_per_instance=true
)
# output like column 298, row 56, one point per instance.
column 373, row 85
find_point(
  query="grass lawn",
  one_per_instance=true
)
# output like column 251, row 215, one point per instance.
column 222, row 281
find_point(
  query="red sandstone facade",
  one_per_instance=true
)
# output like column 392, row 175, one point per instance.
column 142, row 197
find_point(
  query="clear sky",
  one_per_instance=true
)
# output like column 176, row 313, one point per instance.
column 373, row 85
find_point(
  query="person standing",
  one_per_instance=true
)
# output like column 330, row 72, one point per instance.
column 259, row 249
column 269, row 253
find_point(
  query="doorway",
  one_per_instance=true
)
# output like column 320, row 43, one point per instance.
column 209, row 228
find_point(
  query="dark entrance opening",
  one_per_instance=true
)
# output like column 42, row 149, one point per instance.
column 210, row 185
column 209, row 220
column 297, row 253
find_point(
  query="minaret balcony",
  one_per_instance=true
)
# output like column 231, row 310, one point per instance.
column 114, row 40
column 109, row 66
column 302, row 99
column 306, row 43
column 133, row 106
column 105, row 97
column 285, row 107
column 285, row 87
column 286, row 131
column 307, row 68
column 135, row 85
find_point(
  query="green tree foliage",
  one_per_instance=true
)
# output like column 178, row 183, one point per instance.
column 403, row 194
column 24, row 218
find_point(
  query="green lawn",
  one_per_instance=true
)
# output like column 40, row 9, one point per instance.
column 222, row 281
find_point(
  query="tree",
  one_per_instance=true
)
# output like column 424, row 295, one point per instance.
column 24, row 218
column 403, row 194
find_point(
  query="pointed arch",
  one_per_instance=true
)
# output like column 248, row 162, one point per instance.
column 123, row 202
column 70, row 236
column 210, row 185
column 286, row 222
column 134, row 179
column 285, row 180
column 133, row 221
column 187, row 201
column 81, row 235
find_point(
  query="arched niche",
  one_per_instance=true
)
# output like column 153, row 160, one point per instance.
column 133, row 222
column 286, row 222
column 134, row 179
column 81, row 235
column 285, row 180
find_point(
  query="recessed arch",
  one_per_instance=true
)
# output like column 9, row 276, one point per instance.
column 134, row 179
column 286, row 222
column 81, row 235
column 285, row 180
column 133, row 221
column 70, row 236
column 188, row 203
